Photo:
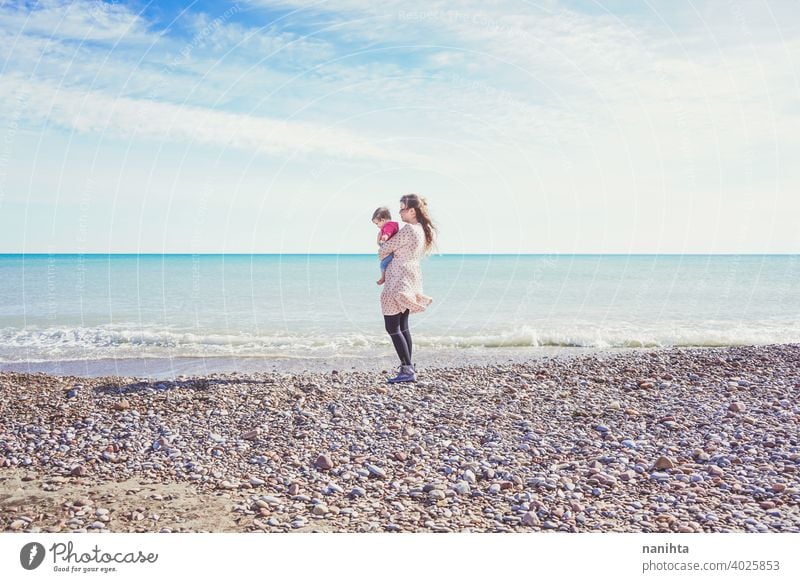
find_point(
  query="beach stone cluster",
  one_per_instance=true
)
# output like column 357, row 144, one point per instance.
column 664, row 440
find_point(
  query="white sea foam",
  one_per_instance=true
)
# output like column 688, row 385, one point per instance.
column 55, row 344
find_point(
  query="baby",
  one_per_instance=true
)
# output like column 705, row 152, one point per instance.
column 382, row 218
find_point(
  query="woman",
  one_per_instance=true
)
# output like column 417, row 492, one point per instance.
column 402, row 292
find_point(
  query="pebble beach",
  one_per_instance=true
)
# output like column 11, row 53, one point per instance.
column 651, row 440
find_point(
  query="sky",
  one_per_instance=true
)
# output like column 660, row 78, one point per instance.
column 278, row 127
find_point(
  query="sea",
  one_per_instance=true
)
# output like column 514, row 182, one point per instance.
column 97, row 314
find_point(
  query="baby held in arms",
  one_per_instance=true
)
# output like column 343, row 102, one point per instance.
column 382, row 218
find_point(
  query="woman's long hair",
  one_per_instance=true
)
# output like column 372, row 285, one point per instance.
column 420, row 206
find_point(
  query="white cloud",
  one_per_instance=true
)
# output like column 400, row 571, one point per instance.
column 121, row 117
column 75, row 19
column 663, row 116
column 267, row 44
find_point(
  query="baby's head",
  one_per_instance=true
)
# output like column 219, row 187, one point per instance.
column 381, row 216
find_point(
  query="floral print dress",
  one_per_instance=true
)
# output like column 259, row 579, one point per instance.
column 403, row 287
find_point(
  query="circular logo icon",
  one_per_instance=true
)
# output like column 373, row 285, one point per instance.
column 31, row 556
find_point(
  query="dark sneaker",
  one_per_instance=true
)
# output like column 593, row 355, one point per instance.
column 406, row 374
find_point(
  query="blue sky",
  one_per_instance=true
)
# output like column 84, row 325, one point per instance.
column 259, row 126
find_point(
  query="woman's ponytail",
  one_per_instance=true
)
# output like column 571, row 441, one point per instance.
column 420, row 206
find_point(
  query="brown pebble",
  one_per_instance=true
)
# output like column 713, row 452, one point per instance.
column 324, row 462
column 664, row 463
column 530, row 519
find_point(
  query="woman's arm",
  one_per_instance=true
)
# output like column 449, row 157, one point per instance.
column 403, row 238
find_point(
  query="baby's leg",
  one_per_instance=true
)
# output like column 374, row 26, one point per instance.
column 384, row 263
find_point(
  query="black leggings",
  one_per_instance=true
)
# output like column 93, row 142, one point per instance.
column 397, row 328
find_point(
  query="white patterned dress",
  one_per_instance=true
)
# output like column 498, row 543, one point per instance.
column 403, row 287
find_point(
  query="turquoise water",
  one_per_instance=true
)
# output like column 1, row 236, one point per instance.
column 92, row 307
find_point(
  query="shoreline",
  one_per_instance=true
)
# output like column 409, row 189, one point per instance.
column 641, row 440
column 386, row 360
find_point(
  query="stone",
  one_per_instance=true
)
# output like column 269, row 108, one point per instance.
column 663, row 463
column 123, row 404
column 737, row 407
column 324, row 463
column 251, row 435
column 658, row 476
column 79, row 471
column 376, row 471
column 462, row 488
column 529, row 518
column 332, row 488
column 437, row 495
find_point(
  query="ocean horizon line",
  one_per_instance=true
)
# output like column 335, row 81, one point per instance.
column 183, row 254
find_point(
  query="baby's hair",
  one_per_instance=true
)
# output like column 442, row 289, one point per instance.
column 382, row 213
